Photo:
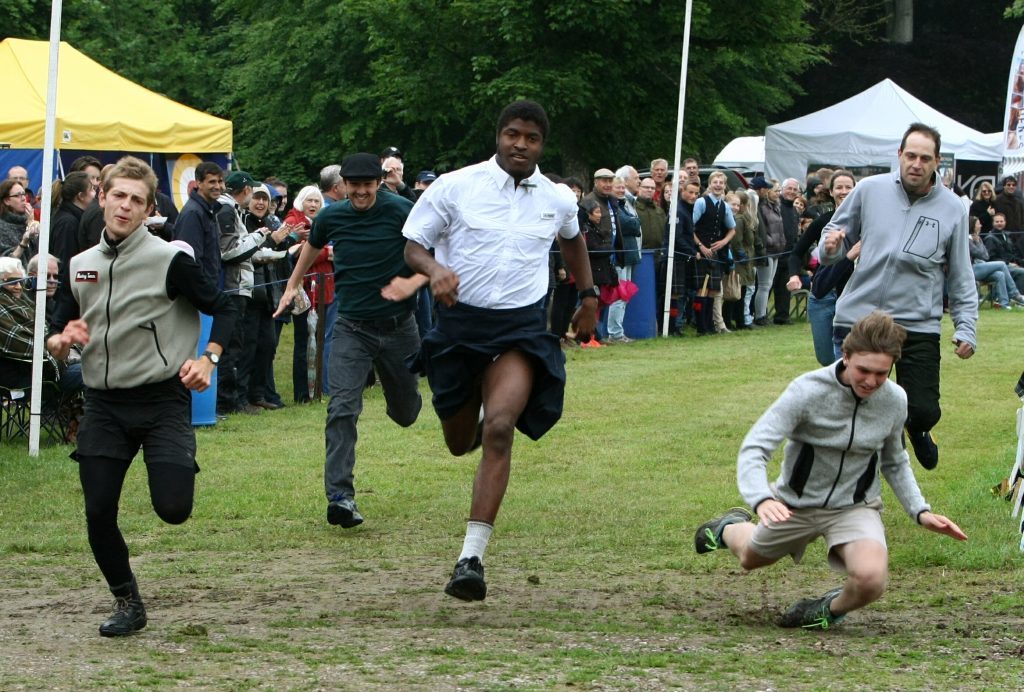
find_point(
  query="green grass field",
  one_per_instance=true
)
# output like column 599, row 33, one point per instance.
column 593, row 581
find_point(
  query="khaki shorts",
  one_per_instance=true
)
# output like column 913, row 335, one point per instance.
column 838, row 526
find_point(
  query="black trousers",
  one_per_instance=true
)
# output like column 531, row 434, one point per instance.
column 229, row 396
column 260, row 346
column 300, row 359
column 171, row 489
column 917, row 371
column 780, row 291
column 563, row 304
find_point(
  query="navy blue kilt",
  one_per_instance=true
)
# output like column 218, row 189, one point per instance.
column 466, row 339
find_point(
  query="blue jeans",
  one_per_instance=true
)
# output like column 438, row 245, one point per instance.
column 998, row 274
column 358, row 346
column 71, row 379
column 820, row 313
column 617, row 310
column 330, row 317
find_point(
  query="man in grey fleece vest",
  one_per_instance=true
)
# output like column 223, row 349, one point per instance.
column 133, row 306
column 914, row 234
column 843, row 424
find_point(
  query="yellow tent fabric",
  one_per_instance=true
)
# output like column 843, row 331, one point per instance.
column 97, row 110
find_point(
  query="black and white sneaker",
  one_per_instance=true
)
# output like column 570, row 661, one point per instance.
column 467, row 582
column 342, row 511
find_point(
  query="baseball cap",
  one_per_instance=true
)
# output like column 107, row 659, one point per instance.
column 361, row 166
column 759, row 183
column 603, row 173
column 237, row 180
column 426, row 177
column 262, row 189
column 391, row 151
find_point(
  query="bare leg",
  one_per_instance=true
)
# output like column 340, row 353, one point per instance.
column 506, row 387
column 737, row 539
column 460, row 430
column 867, row 568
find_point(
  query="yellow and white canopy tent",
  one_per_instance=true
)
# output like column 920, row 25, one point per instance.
column 98, row 112
column 59, row 102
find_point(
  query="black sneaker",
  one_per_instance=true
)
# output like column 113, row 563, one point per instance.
column 812, row 613
column 925, row 449
column 709, row 534
column 467, row 582
column 342, row 511
column 129, row 616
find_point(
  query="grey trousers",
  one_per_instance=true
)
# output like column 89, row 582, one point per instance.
column 356, row 347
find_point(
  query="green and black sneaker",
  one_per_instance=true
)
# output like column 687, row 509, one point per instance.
column 812, row 613
column 709, row 534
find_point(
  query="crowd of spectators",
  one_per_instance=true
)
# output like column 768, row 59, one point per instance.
column 736, row 258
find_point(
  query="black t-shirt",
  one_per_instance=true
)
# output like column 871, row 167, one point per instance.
column 369, row 251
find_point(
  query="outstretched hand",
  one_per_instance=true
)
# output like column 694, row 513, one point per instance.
column 75, row 332
column 402, row 287
column 286, row 301
column 940, row 524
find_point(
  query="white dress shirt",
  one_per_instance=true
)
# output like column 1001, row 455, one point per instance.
column 494, row 234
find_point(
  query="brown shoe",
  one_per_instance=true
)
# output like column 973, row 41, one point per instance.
column 267, row 405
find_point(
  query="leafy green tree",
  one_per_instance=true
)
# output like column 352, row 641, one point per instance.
column 431, row 77
column 306, row 81
column 176, row 48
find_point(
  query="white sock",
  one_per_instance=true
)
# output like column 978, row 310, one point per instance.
column 475, row 543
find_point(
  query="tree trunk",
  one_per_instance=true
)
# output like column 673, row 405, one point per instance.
column 901, row 22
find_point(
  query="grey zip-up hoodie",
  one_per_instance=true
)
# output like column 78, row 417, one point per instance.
column 837, row 444
column 906, row 245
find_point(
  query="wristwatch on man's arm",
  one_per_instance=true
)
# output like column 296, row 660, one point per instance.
column 591, row 292
column 212, row 357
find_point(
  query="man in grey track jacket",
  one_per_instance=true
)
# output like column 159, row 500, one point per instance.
column 914, row 242
column 843, row 424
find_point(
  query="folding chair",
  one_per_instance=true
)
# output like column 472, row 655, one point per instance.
column 14, row 413
column 56, row 414
column 798, row 303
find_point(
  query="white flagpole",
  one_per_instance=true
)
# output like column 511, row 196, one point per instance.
column 667, row 308
column 44, row 229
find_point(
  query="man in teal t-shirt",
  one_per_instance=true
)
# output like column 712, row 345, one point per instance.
column 371, row 332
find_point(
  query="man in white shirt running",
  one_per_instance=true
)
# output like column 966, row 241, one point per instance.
column 490, row 361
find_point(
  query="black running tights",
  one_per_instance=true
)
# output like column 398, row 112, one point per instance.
column 171, row 489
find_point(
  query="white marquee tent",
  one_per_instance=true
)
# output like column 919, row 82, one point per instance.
column 743, row 152
column 865, row 130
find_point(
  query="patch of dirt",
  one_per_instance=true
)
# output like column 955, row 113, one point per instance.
column 311, row 620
